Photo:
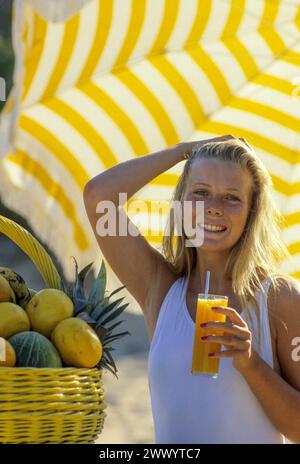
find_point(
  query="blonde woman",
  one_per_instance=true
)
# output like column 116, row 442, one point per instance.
column 256, row 397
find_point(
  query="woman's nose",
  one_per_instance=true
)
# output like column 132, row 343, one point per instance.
column 214, row 208
column 216, row 211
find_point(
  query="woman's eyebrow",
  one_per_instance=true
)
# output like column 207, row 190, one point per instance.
column 208, row 185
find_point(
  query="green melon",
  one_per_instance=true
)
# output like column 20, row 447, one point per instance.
column 34, row 350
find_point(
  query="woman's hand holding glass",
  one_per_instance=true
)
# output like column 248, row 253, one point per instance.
column 237, row 337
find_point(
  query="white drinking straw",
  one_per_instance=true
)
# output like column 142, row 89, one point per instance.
column 207, row 283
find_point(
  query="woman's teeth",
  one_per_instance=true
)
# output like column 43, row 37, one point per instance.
column 212, row 228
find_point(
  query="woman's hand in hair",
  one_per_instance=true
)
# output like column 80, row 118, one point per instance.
column 189, row 146
column 237, row 338
column 245, row 142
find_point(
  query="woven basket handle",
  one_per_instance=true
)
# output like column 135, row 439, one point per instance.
column 32, row 247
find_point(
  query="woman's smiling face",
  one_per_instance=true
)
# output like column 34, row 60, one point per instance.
column 226, row 189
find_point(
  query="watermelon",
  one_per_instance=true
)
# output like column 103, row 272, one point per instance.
column 34, row 350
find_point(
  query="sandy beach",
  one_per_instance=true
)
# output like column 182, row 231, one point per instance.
column 128, row 410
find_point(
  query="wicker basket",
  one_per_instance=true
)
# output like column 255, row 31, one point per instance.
column 47, row 405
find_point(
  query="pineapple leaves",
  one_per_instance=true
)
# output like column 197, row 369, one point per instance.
column 117, row 290
column 64, row 286
column 107, row 353
column 104, row 364
column 110, row 349
column 115, row 314
column 98, row 289
column 84, row 272
column 101, row 332
column 101, row 309
column 78, row 296
column 85, row 317
column 98, row 310
column 111, row 338
column 112, row 327
column 79, row 306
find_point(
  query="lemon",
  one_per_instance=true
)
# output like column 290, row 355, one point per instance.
column 47, row 308
column 13, row 319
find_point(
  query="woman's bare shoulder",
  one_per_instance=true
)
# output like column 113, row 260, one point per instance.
column 283, row 288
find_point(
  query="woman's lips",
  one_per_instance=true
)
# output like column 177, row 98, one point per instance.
column 214, row 225
column 212, row 231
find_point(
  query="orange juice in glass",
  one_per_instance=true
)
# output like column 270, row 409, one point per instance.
column 201, row 364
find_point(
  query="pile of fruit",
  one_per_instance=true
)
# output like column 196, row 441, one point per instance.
column 55, row 328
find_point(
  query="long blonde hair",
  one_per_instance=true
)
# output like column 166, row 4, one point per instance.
column 259, row 251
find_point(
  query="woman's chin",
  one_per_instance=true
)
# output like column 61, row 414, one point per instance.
column 208, row 244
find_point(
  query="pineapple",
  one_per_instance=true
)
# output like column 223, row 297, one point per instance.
column 98, row 311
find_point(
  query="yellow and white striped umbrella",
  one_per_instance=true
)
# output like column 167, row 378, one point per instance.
column 101, row 81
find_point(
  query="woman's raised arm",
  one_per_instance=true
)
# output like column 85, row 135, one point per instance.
column 133, row 260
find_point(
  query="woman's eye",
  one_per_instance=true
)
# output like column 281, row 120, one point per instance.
column 200, row 191
column 233, row 198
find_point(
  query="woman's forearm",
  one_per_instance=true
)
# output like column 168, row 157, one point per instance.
column 130, row 176
column 280, row 401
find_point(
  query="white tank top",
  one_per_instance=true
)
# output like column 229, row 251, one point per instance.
column 192, row 409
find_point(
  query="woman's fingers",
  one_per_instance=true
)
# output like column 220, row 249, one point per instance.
column 198, row 143
column 245, row 141
column 235, row 342
column 231, row 313
column 222, row 137
column 230, row 354
column 241, row 332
